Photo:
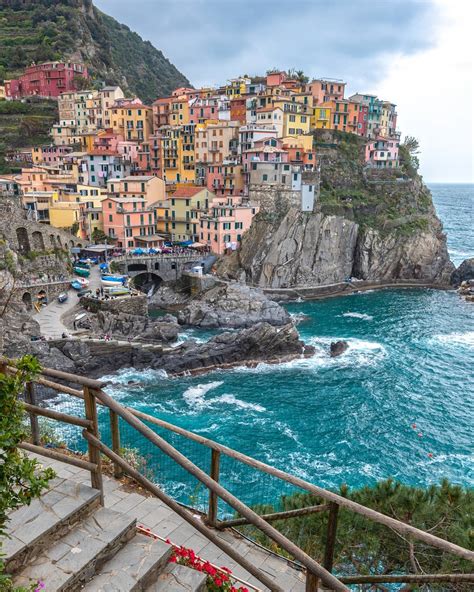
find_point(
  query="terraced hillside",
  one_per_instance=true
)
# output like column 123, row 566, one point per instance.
column 42, row 30
column 24, row 124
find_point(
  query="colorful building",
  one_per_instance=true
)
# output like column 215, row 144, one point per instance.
column 47, row 80
column 382, row 153
column 132, row 121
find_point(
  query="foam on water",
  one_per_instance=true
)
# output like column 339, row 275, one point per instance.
column 195, row 395
column 230, row 399
column 463, row 339
column 358, row 315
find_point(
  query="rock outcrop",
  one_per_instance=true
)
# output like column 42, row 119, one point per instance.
column 260, row 343
column 337, row 348
column 463, row 273
column 377, row 226
column 232, row 305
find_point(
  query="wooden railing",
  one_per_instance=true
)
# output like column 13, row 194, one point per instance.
column 92, row 394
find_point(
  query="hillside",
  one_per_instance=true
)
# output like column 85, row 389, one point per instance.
column 24, row 124
column 373, row 225
column 41, row 30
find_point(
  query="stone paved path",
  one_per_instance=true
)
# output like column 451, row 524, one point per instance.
column 153, row 514
column 49, row 317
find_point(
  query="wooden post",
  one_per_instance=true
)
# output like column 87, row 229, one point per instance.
column 31, row 399
column 115, row 432
column 213, row 499
column 312, row 582
column 94, row 452
column 331, row 536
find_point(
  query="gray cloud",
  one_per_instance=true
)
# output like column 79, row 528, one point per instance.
column 213, row 40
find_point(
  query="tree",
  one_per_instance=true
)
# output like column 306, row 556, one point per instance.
column 99, row 236
column 74, row 228
column 408, row 155
column 367, row 548
column 21, row 478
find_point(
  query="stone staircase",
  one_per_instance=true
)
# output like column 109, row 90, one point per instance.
column 70, row 542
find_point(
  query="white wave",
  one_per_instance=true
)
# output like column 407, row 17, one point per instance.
column 129, row 376
column 195, row 395
column 463, row 339
column 299, row 317
column 359, row 353
column 232, row 400
column 358, row 315
column 186, row 336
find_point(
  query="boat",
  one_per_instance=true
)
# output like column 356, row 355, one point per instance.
column 82, row 271
column 62, row 297
column 83, row 263
column 104, row 268
column 76, row 285
column 113, row 280
column 116, row 291
column 84, row 292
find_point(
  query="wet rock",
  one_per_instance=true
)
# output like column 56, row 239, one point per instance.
column 337, row 348
column 463, row 273
column 232, row 305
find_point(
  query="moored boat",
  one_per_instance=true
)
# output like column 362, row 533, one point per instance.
column 113, row 280
column 81, row 271
column 62, row 297
column 76, row 285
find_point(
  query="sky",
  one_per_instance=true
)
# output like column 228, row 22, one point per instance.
column 418, row 54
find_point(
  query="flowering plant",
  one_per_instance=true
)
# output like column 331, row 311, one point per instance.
column 218, row 579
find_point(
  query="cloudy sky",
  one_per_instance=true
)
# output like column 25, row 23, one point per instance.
column 417, row 53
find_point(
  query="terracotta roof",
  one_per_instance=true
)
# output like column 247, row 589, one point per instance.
column 99, row 152
column 186, row 191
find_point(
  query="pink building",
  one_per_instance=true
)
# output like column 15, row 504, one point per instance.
column 46, row 80
column 200, row 110
column 224, row 224
column 382, row 152
column 130, row 222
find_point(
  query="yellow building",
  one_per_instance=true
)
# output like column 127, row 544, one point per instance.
column 65, row 214
column 2, row 92
column 132, row 121
column 322, row 118
column 173, row 215
column 179, row 111
column 177, row 152
column 236, row 87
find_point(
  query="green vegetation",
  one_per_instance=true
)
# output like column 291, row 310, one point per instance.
column 42, row 30
column 367, row 548
column 21, row 478
column 24, row 124
column 408, row 154
column 390, row 200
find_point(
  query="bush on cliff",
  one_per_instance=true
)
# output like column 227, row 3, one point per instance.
column 366, row 548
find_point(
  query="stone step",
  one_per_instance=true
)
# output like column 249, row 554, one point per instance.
column 35, row 527
column 133, row 568
column 179, row 578
column 73, row 560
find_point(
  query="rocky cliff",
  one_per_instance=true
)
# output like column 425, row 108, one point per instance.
column 373, row 225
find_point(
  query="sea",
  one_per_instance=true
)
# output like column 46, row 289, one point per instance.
column 399, row 403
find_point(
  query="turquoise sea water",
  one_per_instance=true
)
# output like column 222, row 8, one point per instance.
column 398, row 403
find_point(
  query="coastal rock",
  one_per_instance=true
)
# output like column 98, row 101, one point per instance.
column 337, row 348
column 260, row 343
column 232, row 305
column 463, row 273
column 167, row 297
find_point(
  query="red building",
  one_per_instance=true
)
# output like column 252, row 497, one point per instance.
column 45, row 80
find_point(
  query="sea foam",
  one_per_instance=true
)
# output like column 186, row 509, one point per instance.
column 358, row 315
column 463, row 339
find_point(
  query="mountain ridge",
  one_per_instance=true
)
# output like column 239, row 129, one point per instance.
column 43, row 30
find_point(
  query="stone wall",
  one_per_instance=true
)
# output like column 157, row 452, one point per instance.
column 133, row 305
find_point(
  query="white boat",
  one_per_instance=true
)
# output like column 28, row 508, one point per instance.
column 113, row 280
column 83, row 281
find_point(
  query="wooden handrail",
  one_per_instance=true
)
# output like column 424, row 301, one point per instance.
column 64, row 417
column 49, row 453
column 134, row 417
column 276, row 516
column 311, row 564
column 184, row 513
column 318, row 491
